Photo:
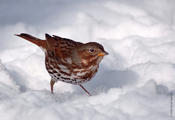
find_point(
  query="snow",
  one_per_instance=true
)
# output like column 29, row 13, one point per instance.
column 133, row 82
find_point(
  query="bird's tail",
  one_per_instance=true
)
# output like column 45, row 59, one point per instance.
column 36, row 41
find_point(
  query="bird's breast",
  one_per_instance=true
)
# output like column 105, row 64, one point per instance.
column 70, row 73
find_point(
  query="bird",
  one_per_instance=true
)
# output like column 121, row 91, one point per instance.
column 67, row 60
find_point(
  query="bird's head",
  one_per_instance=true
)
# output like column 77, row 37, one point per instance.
column 91, row 52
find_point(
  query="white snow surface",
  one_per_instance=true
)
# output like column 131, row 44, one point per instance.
column 134, row 81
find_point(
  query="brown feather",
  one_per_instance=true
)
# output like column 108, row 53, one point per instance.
column 36, row 41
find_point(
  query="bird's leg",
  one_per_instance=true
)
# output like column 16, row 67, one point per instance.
column 85, row 90
column 52, row 82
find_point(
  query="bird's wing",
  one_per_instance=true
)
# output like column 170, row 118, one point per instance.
column 61, row 47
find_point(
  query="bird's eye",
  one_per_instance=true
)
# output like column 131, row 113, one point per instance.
column 91, row 50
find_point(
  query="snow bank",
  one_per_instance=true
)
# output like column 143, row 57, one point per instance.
column 133, row 82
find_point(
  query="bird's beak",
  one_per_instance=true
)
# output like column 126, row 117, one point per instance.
column 103, row 53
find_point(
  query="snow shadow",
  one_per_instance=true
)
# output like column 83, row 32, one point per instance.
column 107, row 79
column 19, row 80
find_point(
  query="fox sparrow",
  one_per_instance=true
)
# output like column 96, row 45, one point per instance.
column 67, row 60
